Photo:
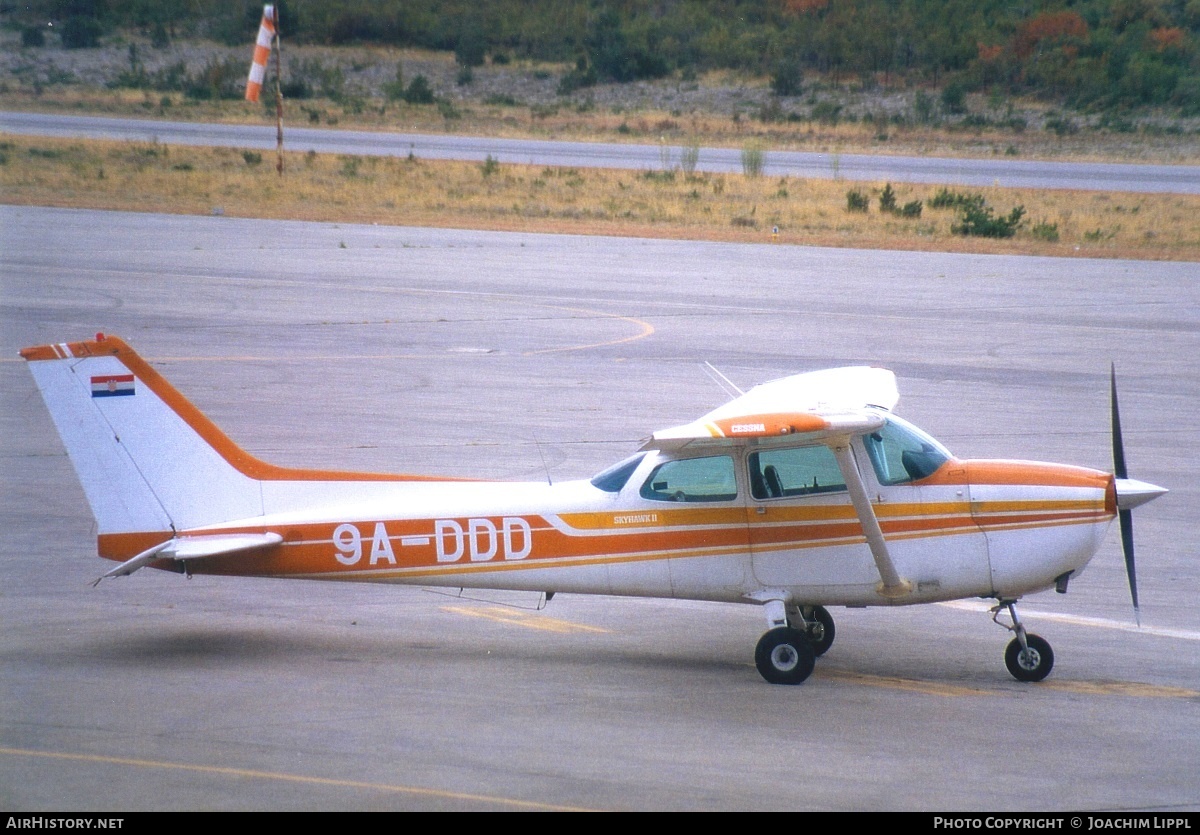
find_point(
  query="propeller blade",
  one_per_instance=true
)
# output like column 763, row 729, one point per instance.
column 1126, row 520
column 1118, row 444
column 1125, row 516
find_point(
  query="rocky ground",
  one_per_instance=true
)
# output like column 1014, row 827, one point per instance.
column 366, row 72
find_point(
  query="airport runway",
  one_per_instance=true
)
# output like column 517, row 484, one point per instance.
column 1007, row 172
column 519, row 356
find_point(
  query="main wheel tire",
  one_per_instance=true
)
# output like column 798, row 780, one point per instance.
column 820, row 630
column 785, row 656
column 1032, row 664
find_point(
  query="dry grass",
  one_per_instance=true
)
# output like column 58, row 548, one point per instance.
column 186, row 180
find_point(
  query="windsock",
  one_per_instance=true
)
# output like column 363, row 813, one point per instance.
column 262, row 51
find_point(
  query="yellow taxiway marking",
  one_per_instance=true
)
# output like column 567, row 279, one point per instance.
column 931, row 688
column 1120, row 688
column 645, row 329
column 1086, row 688
column 517, row 617
column 292, row 778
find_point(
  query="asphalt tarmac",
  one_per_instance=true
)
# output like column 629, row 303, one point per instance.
column 521, row 356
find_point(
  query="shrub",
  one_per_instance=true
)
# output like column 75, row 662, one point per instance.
column 419, row 91
column 946, row 199
column 80, row 33
column 394, row 89
column 753, row 159
column 252, row 157
column 786, row 79
column 33, row 36
column 218, row 80
column 471, row 47
column 857, row 201
column 827, row 112
column 1061, row 126
column 911, row 209
column 924, row 111
column 1045, row 231
column 887, row 200
column 582, row 76
column 689, row 157
column 490, row 166
column 954, row 98
column 159, row 37
column 666, row 176
column 978, row 219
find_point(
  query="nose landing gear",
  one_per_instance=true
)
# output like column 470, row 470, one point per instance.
column 1028, row 657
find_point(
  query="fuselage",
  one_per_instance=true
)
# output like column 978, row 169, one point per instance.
column 706, row 523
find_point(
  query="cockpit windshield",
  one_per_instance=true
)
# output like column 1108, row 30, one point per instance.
column 900, row 452
column 614, row 478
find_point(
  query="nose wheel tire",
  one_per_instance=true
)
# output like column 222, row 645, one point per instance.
column 1031, row 664
column 785, row 656
column 820, row 630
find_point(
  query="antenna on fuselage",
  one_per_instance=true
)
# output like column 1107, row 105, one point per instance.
column 545, row 466
column 721, row 380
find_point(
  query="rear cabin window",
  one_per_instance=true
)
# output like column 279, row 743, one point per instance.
column 709, row 479
column 799, row 471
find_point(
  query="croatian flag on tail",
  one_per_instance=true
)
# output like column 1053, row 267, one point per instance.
column 262, row 51
column 113, row 385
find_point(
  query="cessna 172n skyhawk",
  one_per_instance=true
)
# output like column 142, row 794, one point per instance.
column 803, row 493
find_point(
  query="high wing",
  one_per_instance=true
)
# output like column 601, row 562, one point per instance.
column 825, row 407
column 829, row 404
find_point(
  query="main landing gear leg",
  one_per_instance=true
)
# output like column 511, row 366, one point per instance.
column 784, row 654
column 817, row 624
column 1028, row 657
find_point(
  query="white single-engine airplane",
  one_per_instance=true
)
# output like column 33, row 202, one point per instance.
column 802, row 493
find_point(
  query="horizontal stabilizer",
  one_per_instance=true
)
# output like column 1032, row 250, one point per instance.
column 195, row 548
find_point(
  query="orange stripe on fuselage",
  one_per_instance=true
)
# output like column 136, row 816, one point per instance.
column 411, row 546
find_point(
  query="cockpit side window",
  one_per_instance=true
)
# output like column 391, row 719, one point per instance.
column 901, row 453
column 799, row 471
column 615, row 477
column 708, row 479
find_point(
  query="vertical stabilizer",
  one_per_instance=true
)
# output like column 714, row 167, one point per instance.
column 147, row 459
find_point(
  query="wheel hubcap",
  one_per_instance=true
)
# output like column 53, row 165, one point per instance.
column 785, row 658
column 1029, row 659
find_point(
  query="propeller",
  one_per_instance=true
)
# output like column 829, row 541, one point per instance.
column 1130, row 494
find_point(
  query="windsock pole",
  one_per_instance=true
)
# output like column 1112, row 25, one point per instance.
column 268, row 36
column 278, row 95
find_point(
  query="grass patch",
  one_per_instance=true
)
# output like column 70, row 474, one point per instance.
column 396, row 191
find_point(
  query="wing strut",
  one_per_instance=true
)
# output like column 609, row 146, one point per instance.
column 892, row 585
